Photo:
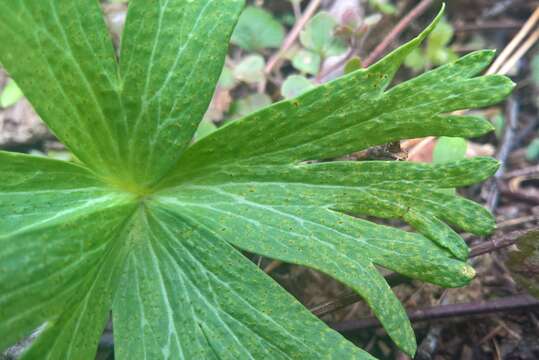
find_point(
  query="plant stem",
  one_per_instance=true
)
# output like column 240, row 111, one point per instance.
column 495, row 244
column 512, row 111
column 292, row 35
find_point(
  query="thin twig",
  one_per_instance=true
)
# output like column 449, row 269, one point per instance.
column 519, row 194
column 522, row 172
column 496, row 244
column 513, row 44
column 430, row 342
column 292, row 35
column 510, row 303
column 488, row 26
column 512, row 111
column 517, row 221
column 272, row 266
column 399, row 28
column 522, row 50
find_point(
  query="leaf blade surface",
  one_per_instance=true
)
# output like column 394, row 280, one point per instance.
column 298, row 214
column 179, row 300
column 169, row 76
column 65, row 45
column 56, row 220
column 328, row 121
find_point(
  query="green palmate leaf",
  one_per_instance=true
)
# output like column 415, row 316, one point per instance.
column 56, row 224
column 76, row 332
column 302, row 215
column 151, row 228
column 127, row 122
column 186, row 296
column 65, row 45
column 335, row 114
column 169, row 73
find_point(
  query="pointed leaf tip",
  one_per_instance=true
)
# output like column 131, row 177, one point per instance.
column 468, row 272
column 410, row 348
column 433, row 24
column 489, row 165
column 393, row 61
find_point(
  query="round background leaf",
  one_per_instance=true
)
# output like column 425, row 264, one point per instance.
column 449, row 149
column 384, row 6
column 10, row 95
column 532, row 151
column 227, row 81
column 319, row 36
column 257, row 29
column 249, row 104
column 352, row 65
column 295, row 85
column 250, row 69
column 416, row 60
column 306, row 61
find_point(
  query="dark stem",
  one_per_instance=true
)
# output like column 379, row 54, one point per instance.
column 495, row 244
column 510, row 303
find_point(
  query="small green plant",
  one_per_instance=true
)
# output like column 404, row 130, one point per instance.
column 150, row 227
column 436, row 51
column 257, row 29
column 320, row 42
column 295, row 85
column 384, row 6
column 10, row 95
